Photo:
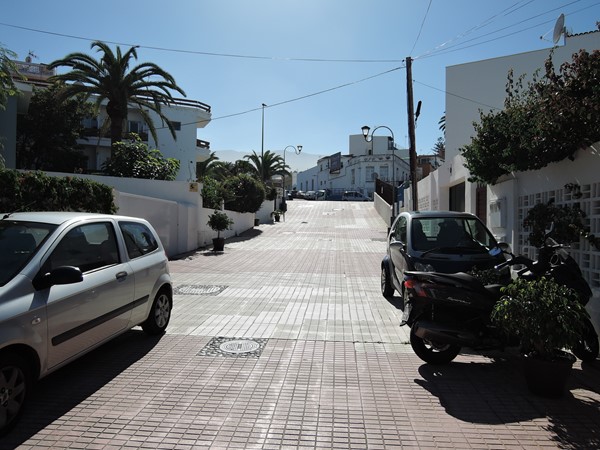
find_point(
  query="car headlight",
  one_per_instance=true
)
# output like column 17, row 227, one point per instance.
column 424, row 267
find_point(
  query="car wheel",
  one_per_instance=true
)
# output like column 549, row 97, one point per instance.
column 431, row 352
column 386, row 286
column 160, row 313
column 15, row 383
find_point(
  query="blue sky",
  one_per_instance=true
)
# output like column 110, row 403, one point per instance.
column 324, row 67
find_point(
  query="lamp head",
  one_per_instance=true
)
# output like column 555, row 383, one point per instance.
column 299, row 147
column 365, row 131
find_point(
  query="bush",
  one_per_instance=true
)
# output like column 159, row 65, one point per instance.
column 248, row 194
column 213, row 193
column 133, row 159
column 36, row 191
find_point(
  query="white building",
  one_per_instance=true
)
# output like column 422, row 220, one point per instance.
column 480, row 85
column 357, row 170
column 186, row 115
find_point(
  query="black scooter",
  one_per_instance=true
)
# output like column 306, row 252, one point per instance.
column 446, row 312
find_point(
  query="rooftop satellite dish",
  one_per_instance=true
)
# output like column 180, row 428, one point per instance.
column 559, row 28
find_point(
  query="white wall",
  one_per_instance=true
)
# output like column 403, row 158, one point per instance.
column 481, row 85
column 174, row 208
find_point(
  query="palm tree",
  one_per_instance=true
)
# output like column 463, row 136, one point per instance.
column 204, row 168
column 146, row 85
column 267, row 165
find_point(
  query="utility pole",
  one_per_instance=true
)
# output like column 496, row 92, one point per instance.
column 411, row 135
column 262, row 145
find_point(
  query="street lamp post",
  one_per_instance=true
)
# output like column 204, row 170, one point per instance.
column 297, row 150
column 365, row 132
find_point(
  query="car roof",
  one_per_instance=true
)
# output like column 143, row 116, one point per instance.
column 432, row 214
column 57, row 217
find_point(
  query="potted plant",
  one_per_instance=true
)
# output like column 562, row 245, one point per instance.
column 547, row 318
column 277, row 214
column 219, row 221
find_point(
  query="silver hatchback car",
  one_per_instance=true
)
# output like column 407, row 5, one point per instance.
column 68, row 283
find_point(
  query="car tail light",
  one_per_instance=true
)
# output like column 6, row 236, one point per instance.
column 416, row 286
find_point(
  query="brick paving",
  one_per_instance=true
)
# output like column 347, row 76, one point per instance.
column 330, row 367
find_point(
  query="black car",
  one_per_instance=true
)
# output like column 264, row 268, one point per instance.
column 437, row 241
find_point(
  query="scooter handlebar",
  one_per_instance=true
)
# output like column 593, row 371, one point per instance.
column 515, row 260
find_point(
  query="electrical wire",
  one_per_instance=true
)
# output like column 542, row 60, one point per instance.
column 420, row 29
column 195, row 52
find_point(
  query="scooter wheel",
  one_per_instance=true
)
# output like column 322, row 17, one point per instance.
column 431, row 352
column 588, row 348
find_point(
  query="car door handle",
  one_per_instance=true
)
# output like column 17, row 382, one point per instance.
column 121, row 276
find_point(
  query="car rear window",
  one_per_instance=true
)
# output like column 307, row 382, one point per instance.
column 451, row 232
column 139, row 240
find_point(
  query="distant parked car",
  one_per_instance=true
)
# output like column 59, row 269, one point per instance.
column 321, row 195
column 68, row 283
column 310, row 195
column 354, row 195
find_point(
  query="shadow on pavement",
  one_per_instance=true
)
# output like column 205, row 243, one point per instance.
column 58, row 393
column 496, row 393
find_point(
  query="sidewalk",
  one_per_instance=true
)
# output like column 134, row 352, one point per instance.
column 285, row 341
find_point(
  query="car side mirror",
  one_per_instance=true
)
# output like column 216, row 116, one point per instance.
column 60, row 275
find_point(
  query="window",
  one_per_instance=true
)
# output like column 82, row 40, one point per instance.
column 90, row 122
column 369, row 171
column 87, row 247
column 139, row 240
column 384, row 172
column 400, row 230
column 134, row 127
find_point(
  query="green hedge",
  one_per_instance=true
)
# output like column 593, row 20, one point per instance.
column 36, row 191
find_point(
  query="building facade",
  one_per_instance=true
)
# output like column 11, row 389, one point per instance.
column 186, row 115
column 357, row 170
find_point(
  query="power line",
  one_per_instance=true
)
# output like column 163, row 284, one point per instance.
column 195, row 52
column 457, row 96
column 460, row 46
column 421, row 28
column 272, row 105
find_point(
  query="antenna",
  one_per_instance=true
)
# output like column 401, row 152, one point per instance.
column 559, row 29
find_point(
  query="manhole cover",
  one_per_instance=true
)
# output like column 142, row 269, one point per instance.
column 234, row 347
column 239, row 346
column 195, row 289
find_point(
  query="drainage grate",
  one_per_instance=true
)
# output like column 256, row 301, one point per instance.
column 234, row 347
column 195, row 289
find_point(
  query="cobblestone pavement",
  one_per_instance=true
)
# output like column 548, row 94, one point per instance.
column 284, row 341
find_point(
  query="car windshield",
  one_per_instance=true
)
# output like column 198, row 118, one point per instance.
column 451, row 234
column 19, row 241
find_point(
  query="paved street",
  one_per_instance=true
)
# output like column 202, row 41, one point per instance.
column 285, row 341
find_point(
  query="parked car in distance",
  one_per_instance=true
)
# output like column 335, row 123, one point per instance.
column 310, row 195
column 354, row 195
column 68, row 283
column 437, row 241
column 321, row 194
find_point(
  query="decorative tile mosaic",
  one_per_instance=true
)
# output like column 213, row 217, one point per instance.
column 231, row 347
column 195, row 289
